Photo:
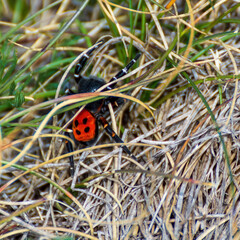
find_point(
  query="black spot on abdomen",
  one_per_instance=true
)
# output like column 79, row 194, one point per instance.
column 85, row 121
column 86, row 130
column 76, row 123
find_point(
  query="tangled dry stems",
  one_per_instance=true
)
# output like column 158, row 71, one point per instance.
column 180, row 188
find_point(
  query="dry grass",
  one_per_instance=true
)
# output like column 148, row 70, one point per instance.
column 181, row 122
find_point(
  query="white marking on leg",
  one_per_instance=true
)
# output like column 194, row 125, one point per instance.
column 124, row 70
column 86, row 55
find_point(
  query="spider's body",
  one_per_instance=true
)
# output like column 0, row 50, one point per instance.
column 91, row 84
column 85, row 124
column 85, row 127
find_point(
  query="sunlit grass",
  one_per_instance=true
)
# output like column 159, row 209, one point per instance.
column 180, row 120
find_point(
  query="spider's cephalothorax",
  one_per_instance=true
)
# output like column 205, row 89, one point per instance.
column 85, row 124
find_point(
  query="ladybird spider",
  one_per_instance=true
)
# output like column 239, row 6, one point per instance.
column 85, row 124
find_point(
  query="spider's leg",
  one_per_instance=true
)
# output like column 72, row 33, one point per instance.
column 69, row 144
column 117, row 76
column 69, row 92
column 84, row 58
column 124, row 70
column 114, row 136
column 70, row 149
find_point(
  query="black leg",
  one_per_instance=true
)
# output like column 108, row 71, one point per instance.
column 117, row 76
column 114, row 136
column 68, row 92
column 70, row 149
column 84, row 59
column 125, row 70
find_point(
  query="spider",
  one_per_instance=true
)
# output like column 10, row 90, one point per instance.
column 85, row 125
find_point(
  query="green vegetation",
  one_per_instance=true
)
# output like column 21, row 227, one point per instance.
column 181, row 115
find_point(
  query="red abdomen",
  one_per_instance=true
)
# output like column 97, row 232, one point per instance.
column 85, row 126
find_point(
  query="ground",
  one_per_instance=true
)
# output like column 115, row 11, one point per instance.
column 180, row 119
